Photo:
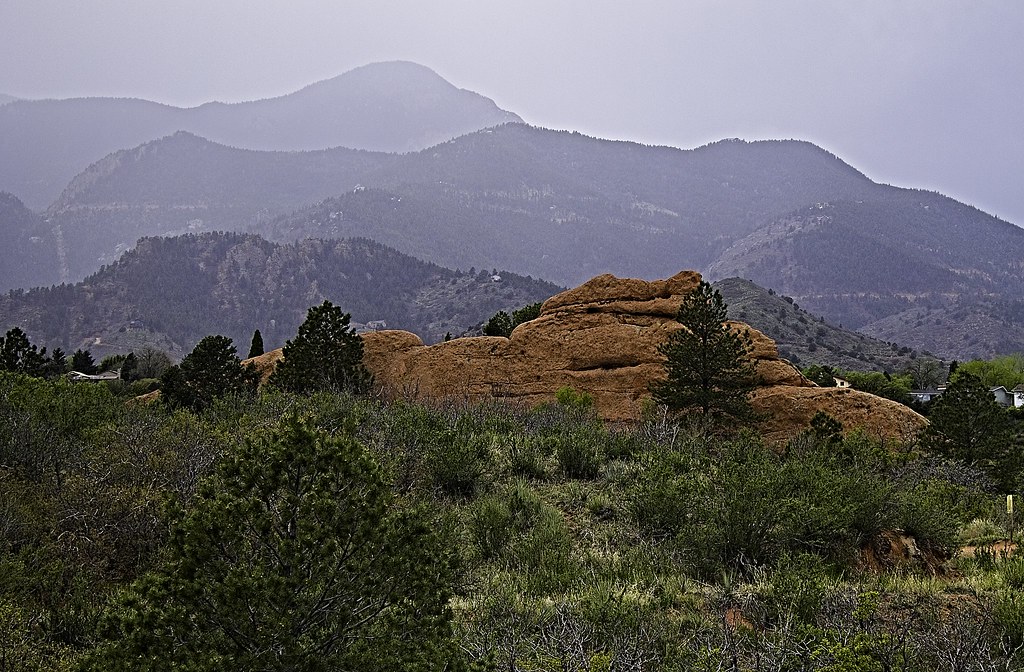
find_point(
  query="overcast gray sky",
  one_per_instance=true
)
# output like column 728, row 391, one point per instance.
column 922, row 93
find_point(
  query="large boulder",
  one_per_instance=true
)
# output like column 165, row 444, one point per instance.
column 602, row 338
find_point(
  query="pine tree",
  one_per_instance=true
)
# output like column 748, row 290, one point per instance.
column 706, row 362
column 256, row 347
column 296, row 557
column 56, row 365
column 82, row 362
column 129, row 367
column 210, row 371
column 19, row 355
column 966, row 423
column 326, row 355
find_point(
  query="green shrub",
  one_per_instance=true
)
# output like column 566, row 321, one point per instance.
column 490, row 524
column 601, row 506
column 924, row 514
column 1008, row 613
column 578, row 456
column 1012, row 572
column 545, row 555
column 797, row 586
column 659, row 501
column 527, row 456
column 456, row 462
column 570, row 398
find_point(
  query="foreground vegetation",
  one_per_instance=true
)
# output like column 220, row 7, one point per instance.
column 559, row 543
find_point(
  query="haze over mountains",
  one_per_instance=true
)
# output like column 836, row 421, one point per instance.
column 907, row 266
column 394, row 107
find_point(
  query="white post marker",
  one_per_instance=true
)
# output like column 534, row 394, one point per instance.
column 1009, row 510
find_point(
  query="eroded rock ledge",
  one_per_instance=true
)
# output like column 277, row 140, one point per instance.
column 602, row 337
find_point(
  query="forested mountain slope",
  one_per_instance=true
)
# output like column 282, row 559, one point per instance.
column 568, row 207
column 890, row 265
column 171, row 292
column 28, row 251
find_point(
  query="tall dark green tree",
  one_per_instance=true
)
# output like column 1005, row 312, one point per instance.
column 500, row 324
column 56, row 365
column 18, row 354
column 83, row 362
column 210, row 371
column 966, row 423
column 256, row 347
column 706, row 362
column 295, row 557
column 327, row 354
column 129, row 367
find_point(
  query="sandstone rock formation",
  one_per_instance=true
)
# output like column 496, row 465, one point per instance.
column 602, row 337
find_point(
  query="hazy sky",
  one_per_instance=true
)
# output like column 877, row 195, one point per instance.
column 923, row 93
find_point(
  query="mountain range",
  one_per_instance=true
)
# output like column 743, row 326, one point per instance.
column 908, row 266
column 393, row 107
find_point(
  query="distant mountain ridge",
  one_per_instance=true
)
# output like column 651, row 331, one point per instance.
column 394, row 107
column 475, row 200
column 171, row 292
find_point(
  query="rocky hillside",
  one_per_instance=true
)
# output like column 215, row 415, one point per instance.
column 886, row 266
column 393, row 107
column 170, row 292
column 804, row 338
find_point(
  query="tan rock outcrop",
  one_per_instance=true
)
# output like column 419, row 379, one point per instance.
column 602, row 338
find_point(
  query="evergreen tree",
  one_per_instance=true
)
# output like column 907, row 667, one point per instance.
column 56, row 365
column 210, row 371
column 706, row 364
column 326, row 354
column 82, row 362
column 19, row 355
column 129, row 367
column 500, row 324
column 296, row 557
column 256, row 347
column 966, row 423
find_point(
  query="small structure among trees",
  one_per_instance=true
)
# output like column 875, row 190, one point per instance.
column 706, row 362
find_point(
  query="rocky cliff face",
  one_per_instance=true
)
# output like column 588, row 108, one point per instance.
column 602, row 338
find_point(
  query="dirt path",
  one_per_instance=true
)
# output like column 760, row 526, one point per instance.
column 1001, row 549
